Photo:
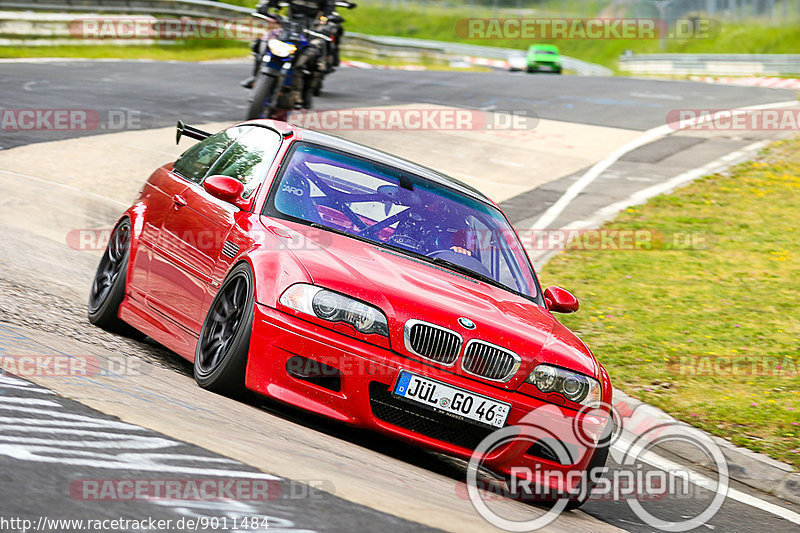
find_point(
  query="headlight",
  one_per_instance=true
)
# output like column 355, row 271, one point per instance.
column 280, row 49
column 573, row 386
column 334, row 307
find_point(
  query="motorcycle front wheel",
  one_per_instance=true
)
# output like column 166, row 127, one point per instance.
column 263, row 90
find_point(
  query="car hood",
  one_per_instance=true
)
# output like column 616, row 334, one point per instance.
column 407, row 288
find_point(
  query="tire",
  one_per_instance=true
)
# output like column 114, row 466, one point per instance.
column 308, row 95
column 221, row 355
column 598, row 461
column 557, row 70
column 108, row 286
column 263, row 88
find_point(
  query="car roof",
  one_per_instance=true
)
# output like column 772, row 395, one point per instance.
column 339, row 143
column 543, row 47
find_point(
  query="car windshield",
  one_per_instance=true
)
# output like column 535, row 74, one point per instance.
column 402, row 211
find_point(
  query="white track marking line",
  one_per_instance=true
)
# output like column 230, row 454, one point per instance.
column 29, row 389
column 50, row 417
column 55, row 450
column 654, row 134
column 122, row 442
column 705, row 482
column 72, row 424
column 27, row 401
column 643, row 195
column 5, row 379
column 125, row 461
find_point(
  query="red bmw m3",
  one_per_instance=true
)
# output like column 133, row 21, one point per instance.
column 356, row 285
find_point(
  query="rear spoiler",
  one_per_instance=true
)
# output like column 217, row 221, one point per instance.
column 189, row 131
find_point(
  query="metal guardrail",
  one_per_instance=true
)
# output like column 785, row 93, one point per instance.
column 712, row 64
column 184, row 8
column 379, row 46
column 455, row 50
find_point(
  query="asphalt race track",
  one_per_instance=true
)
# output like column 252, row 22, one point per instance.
column 323, row 476
column 64, row 430
column 163, row 92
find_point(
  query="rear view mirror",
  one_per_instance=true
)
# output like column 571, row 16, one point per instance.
column 560, row 300
column 224, row 188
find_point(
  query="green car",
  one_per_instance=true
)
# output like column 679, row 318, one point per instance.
column 544, row 58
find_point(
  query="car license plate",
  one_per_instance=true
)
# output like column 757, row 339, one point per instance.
column 452, row 400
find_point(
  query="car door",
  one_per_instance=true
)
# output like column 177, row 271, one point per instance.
column 157, row 199
column 167, row 266
column 195, row 234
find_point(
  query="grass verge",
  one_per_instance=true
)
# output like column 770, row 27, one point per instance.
column 181, row 51
column 192, row 52
column 440, row 24
column 709, row 335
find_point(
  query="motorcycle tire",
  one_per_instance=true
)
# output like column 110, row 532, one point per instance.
column 263, row 89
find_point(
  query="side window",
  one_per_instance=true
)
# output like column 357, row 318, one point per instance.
column 195, row 162
column 249, row 157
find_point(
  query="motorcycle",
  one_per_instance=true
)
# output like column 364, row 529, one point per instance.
column 329, row 59
column 292, row 51
column 274, row 91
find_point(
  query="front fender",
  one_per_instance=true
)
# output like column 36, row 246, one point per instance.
column 275, row 268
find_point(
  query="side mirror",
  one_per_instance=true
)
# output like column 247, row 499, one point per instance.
column 225, row 188
column 560, row 300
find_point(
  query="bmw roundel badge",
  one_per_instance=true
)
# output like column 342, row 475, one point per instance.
column 466, row 323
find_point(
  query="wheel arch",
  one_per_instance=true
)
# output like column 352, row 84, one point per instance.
column 135, row 214
column 273, row 272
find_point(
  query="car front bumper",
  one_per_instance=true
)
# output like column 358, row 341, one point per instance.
column 360, row 395
column 544, row 64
